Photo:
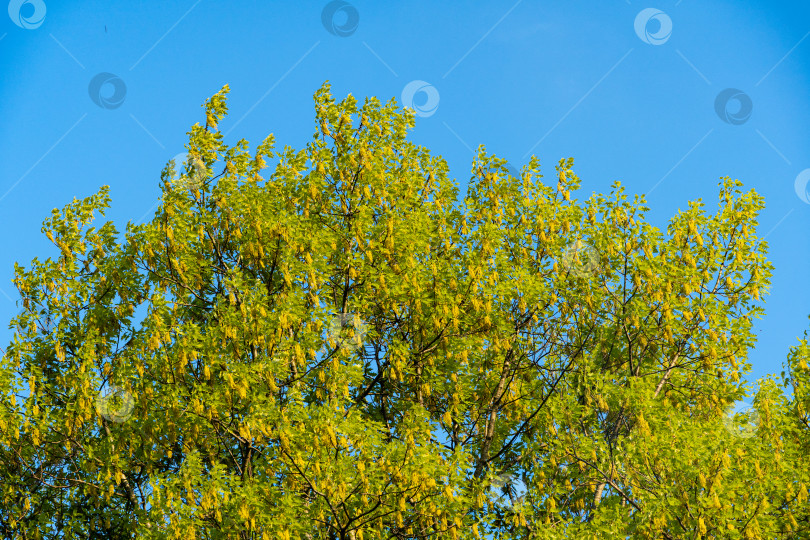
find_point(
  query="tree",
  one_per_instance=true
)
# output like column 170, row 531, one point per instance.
column 336, row 351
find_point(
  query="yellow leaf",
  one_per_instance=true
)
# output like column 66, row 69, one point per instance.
column 331, row 435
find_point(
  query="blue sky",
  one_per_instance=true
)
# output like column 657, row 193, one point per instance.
column 626, row 88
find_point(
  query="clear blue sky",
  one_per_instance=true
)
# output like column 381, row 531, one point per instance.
column 630, row 102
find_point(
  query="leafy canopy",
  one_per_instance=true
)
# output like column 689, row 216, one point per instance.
column 337, row 350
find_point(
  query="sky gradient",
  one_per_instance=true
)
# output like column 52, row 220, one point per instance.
column 629, row 89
